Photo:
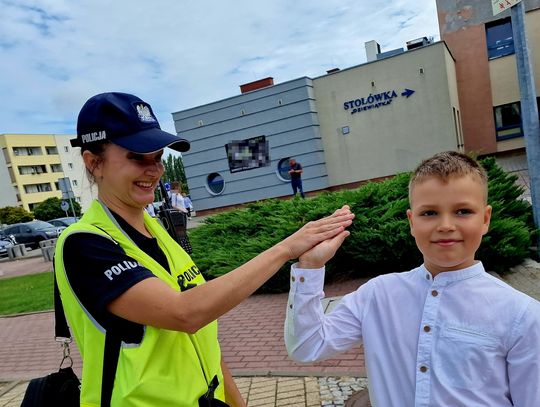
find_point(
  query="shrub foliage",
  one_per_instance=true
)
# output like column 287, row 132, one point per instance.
column 380, row 240
column 50, row 209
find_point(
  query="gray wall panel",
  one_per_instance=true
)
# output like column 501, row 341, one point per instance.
column 291, row 129
column 284, row 90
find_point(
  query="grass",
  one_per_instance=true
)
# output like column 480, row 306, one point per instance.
column 26, row 293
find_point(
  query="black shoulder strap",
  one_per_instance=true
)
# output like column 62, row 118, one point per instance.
column 61, row 329
column 110, row 353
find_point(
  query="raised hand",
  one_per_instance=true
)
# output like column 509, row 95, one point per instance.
column 312, row 233
column 318, row 256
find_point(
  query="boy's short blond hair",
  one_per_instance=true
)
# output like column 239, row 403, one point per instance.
column 446, row 165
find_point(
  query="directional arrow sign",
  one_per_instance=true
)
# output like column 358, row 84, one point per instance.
column 407, row 92
column 500, row 5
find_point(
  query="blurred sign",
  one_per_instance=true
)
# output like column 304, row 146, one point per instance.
column 64, row 205
column 501, row 5
column 65, row 187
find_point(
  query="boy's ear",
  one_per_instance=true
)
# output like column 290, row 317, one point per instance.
column 487, row 219
column 409, row 216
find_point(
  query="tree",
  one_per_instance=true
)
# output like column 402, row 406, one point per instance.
column 50, row 209
column 14, row 214
column 174, row 171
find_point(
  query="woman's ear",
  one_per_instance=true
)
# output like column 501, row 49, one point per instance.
column 91, row 162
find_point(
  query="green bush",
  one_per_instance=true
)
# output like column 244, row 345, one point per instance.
column 380, row 240
column 50, row 208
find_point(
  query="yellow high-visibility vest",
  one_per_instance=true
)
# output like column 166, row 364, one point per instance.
column 168, row 368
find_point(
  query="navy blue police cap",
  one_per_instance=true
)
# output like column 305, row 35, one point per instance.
column 124, row 120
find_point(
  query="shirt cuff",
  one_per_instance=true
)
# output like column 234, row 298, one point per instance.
column 307, row 280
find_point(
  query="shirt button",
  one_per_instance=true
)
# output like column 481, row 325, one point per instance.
column 427, row 276
column 434, row 293
column 290, row 306
column 427, row 328
column 423, row 369
column 293, row 279
column 302, row 279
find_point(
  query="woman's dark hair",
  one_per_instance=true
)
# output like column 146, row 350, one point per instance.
column 97, row 149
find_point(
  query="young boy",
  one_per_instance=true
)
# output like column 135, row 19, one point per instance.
column 444, row 334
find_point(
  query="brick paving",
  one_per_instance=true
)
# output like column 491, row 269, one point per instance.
column 251, row 338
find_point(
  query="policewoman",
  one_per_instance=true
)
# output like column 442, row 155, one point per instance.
column 145, row 336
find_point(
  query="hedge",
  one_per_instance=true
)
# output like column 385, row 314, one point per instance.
column 380, row 241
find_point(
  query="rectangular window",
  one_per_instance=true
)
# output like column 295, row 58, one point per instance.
column 508, row 121
column 56, row 167
column 33, row 188
column 499, row 38
column 74, row 182
column 70, row 166
column 32, row 169
column 66, row 149
column 51, row 150
column 27, row 151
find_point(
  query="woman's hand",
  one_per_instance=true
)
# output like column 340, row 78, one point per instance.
column 312, row 233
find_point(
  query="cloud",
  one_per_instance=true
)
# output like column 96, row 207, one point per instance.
column 176, row 55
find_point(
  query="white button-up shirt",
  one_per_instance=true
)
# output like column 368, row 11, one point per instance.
column 463, row 338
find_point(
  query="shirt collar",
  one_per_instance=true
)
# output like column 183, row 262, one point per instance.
column 451, row 276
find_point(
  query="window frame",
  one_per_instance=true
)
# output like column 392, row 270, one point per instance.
column 508, row 127
column 209, row 189
column 500, row 47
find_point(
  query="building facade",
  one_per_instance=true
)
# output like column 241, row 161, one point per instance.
column 345, row 127
column 281, row 120
column 482, row 45
column 33, row 165
column 372, row 120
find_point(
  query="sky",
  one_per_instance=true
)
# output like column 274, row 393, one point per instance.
column 55, row 54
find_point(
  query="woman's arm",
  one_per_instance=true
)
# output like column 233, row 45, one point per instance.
column 152, row 302
column 232, row 395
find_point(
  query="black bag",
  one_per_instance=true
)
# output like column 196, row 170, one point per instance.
column 207, row 399
column 63, row 388
column 58, row 389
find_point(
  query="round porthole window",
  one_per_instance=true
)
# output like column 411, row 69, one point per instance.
column 283, row 168
column 215, row 183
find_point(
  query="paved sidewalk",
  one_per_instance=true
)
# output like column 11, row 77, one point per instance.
column 251, row 338
column 253, row 352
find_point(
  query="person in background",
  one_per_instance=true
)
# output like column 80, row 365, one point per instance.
column 150, row 209
column 444, row 334
column 295, row 172
column 188, row 205
column 177, row 199
column 142, row 315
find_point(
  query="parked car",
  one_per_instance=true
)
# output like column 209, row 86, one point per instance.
column 63, row 221
column 5, row 242
column 31, row 233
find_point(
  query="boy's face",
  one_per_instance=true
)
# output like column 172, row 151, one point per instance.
column 448, row 220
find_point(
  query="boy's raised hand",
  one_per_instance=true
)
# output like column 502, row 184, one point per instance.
column 330, row 230
column 317, row 257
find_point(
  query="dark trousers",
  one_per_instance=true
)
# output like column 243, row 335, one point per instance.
column 296, row 184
